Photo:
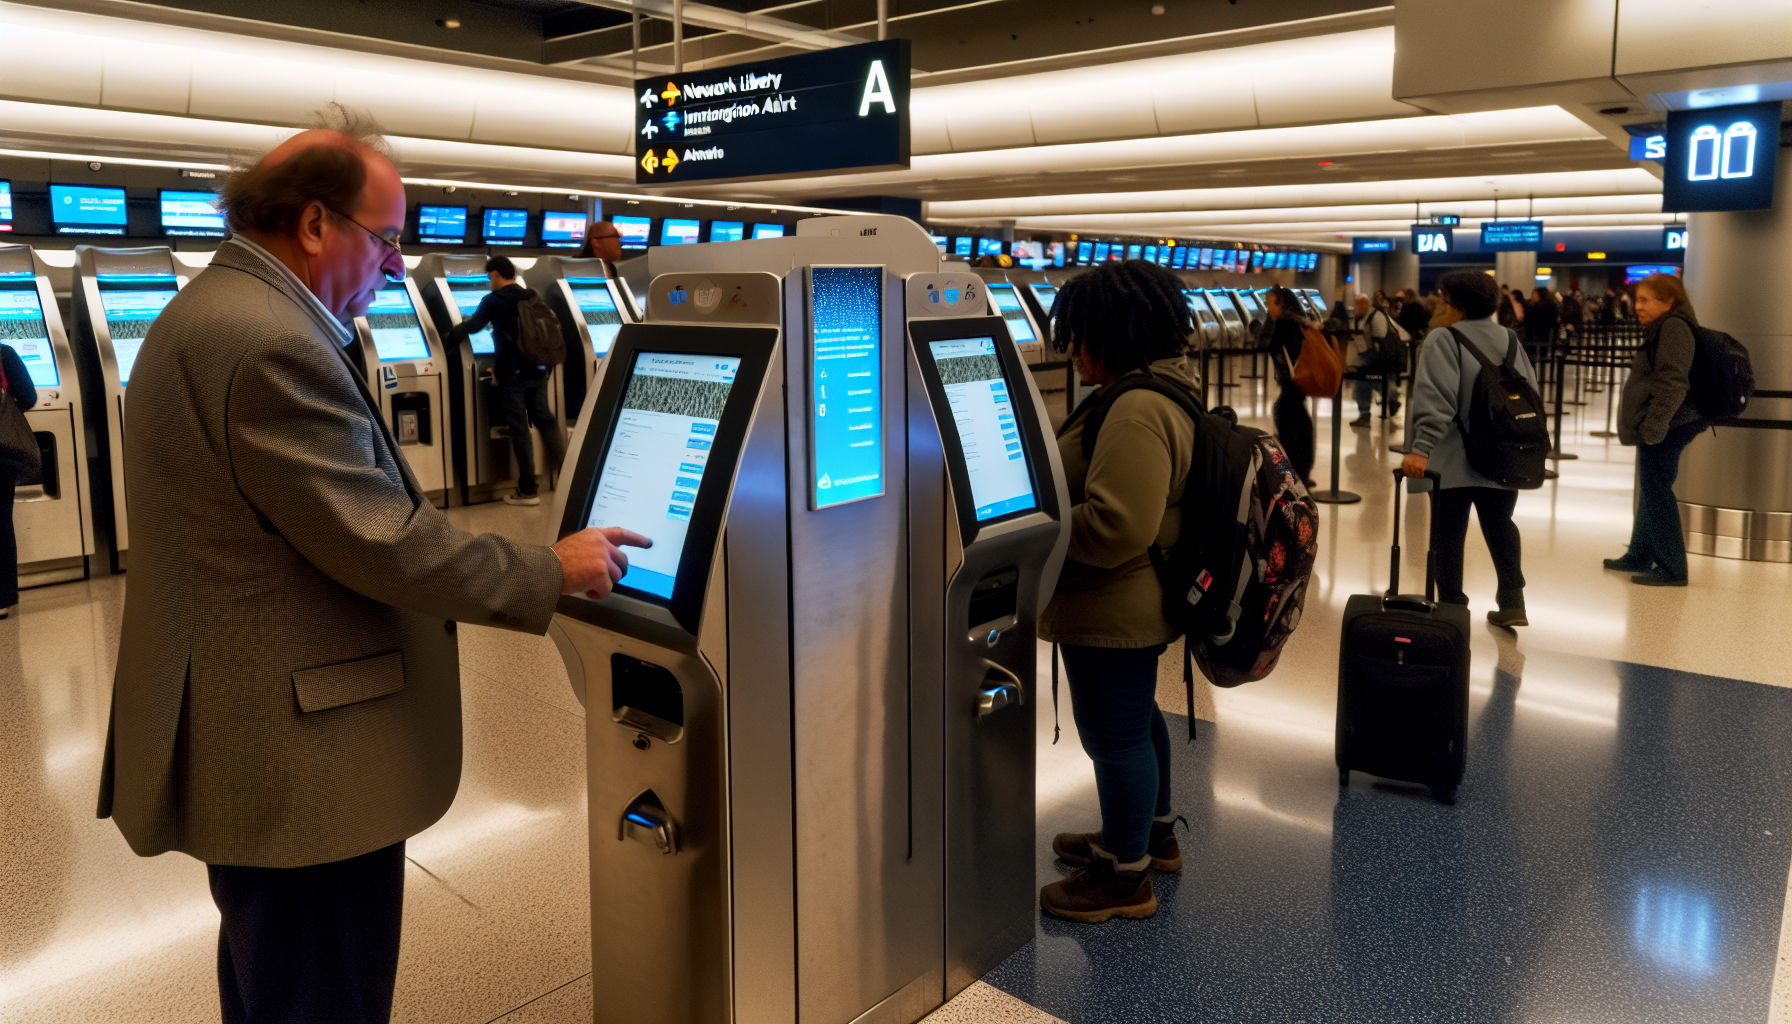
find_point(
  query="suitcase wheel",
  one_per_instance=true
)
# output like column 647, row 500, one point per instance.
column 1444, row 794
column 1343, row 776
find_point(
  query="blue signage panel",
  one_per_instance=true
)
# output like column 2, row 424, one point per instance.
column 829, row 111
column 1361, row 245
column 1721, row 158
column 1674, row 237
column 1649, row 147
column 846, row 403
column 1511, row 235
column 1431, row 238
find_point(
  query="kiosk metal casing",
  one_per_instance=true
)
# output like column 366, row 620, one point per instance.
column 407, row 371
column 592, row 304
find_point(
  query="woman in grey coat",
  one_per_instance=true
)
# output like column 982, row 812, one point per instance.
column 1657, row 416
column 1443, row 386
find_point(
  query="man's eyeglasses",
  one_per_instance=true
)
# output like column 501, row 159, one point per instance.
column 390, row 243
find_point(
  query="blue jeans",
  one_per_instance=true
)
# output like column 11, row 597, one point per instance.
column 1656, row 541
column 1113, row 697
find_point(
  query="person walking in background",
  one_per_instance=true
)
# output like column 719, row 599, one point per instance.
column 1656, row 415
column 1373, row 326
column 1415, row 317
column 1294, row 425
column 1443, row 387
column 1540, row 317
column 18, row 389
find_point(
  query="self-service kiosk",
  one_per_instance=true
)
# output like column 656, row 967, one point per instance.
column 52, row 519
column 484, row 467
column 1028, row 337
column 806, row 702
column 1317, row 301
column 1231, row 319
column 1208, row 328
column 116, row 295
column 1251, row 309
column 592, row 304
column 407, row 371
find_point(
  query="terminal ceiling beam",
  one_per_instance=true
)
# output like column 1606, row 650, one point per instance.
column 758, row 26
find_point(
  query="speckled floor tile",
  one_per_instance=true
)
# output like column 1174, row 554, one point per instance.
column 983, row 1003
column 568, row 1004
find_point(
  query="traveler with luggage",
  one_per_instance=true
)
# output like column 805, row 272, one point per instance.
column 1294, row 425
column 1658, row 415
column 1380, row 348
column 1445, row 400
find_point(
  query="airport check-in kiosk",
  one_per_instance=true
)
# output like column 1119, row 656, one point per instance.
column 117, row 294
column 767, row 690
column 484, row 467
column 1208, row 326
column 1027, row 335
column 1231, row 319
column 592, row 305
column 1250, row 308
column 407, row 371
column 53, row 520
column 1317, row 301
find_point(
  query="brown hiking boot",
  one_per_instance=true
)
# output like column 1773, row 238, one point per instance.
column 1100, row 891
column 1166, row 853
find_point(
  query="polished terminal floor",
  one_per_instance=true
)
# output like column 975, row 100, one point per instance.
column 1619, row 852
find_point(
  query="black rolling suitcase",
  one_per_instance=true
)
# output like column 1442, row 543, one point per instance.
column 1403, row 682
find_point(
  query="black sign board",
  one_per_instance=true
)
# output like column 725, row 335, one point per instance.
column 1428, row 238
column 1721, row 158
column 826, row 112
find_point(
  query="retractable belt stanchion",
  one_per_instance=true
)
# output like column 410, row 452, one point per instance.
column 1332, row 495
column 1557, row 454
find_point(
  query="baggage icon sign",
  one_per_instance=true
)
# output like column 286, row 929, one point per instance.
column 1730, row 154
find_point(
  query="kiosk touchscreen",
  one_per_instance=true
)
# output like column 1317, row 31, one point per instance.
column 116, row 295
column 587, row 296
column 407, row 372
column 1026, row 334
column 1230, row 318
column 1317, row 301
column 1251, row 308
column 1208, row 326
column 51, row 519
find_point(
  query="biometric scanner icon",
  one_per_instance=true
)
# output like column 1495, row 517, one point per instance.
column 407, row 371
column 52, row 519
column 116, row 296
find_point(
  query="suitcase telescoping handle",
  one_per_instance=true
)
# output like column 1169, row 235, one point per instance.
column 1393, row 594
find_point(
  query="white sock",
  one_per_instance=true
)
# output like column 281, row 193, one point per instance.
column 1165, row 819
column 1138, row 865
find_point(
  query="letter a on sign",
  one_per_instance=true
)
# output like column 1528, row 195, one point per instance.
column 877, row 90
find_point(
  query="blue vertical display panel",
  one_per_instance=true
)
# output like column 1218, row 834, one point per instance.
column 846, row 386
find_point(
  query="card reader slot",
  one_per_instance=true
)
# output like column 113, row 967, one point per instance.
column 995, row 597
column 646, row 698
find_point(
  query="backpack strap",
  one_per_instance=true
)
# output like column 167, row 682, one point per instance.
column 1463, row 343
column 1056, row 729
column 1099, row 407
column 1188, row 682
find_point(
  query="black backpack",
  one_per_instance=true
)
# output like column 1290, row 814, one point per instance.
column 1235, row 581
column 1721, row 380
column 1505, row 434
column 538, row 337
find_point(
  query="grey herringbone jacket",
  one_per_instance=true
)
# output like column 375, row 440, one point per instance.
column 288, row 683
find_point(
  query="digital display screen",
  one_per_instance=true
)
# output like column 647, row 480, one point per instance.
column 85, row 210
column 131, row 304
column 635, row 231
column 1251, row 305
column 561, row 230
column 1046, row 294
column 1636, row 272
column 1150, row 254
column 940, row 241
column 995, row 460
column 768, row 231
column 961, row 247
column 1008, row 304
column 22, row 327
column 1056, row 251
column 727, row 230
column 191, row 214
column 1228, row 311
column 1358, row 245
column 1133, row 251
column 658, row 455
column 1511, row 235
column 5, row 206
column 1179, row 257
column 392, row 321
column 1721, row 158
column 1429, row 239
column 468, row 291
column 505, row 226
column 602, row 319
column 846, row 404
column 1101, row 252
column 1084, row 251
column 989, row 247
column 442, row 225
column 679, row 232
column 1206, row 259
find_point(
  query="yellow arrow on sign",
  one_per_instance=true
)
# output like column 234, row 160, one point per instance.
column 670, row 94
column 650, row 162
column 671, row 161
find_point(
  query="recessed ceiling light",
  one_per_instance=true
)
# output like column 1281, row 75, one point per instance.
column 447, row 22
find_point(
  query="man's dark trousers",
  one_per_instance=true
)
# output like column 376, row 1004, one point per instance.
column 525, row 404
column 318, row 943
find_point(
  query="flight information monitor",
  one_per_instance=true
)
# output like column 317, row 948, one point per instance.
column 995, row 459
column 961, row 247
column 505, row 227
column 595, row 303
column 846, row 403
column 1084, row 250
column 634, row 230
column 1150, row 254
column 658, row 454
column 1008, row 304
column 86, row 210
column 131, row 303
column 727, row 230
column 5, row 206
column 1101, row 252
column 560, row 230
column 22, row 327
column 468, row 291
column 768, row 231
column 442, row 225
column 989, row 247
column 392, row 320
column 191, row 214
column 1133, row 252
column 1178, row 257
column 674, row 231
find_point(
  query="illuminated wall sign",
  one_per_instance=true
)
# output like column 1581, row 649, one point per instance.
column 1721, row 158
column 1674, row 237
column 1362, row 245
column 1430, row 238
column 1511, row 235
column 1649, row 147
column 828, row 111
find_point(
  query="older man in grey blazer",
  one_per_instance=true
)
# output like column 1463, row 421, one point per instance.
column 287, row 704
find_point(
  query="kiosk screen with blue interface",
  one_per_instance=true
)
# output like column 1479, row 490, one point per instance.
column 1009, row 305
column 561, row 230
column 442, row 225
column 393, row 322
column 131, row 303
column 5, row 206
column 634, row 231
column 598, row 307
column 768, row 231
column 468, row 290
column 846, row 402
column 727, row 230
column 505, row 227
column 22, row 327
column 658, row 453
column 87, row 210
column 191, row 214
column 995, row 460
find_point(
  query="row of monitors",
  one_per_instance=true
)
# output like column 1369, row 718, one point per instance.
column 637, row 232
column 1193, row 257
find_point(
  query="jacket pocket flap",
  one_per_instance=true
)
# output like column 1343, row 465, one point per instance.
column 349, row 682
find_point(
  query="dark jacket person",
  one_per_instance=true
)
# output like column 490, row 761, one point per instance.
column 1656, row 416
column 522, row 384
column 1294, row 425
column 287, row 700
column 18, row 389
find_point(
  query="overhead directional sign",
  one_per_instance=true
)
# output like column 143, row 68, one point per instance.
column 1511, row 235
column 1429, row 238
column 825, row 112
column 1721, row 158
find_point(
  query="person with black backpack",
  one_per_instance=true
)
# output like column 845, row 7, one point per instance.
column 1450, row 404
column 529, row 344
column 1380, row 351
